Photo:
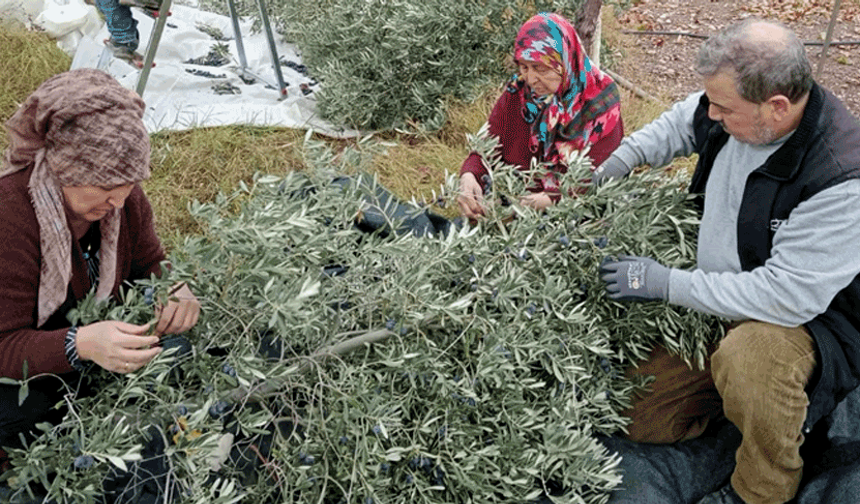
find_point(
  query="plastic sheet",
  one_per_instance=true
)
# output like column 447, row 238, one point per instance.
column 181, row 94
column 68, row 21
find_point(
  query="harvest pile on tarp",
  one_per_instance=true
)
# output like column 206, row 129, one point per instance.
column 336, row 365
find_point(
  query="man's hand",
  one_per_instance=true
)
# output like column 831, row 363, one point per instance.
column 181, row 312
column 612, row 168
column 471, row 199
column 116, row 346
column 633, row 278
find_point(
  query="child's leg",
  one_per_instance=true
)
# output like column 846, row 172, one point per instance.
column 121, row 24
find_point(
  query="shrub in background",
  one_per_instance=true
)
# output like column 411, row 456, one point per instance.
column 332, row 365
column 389, row 63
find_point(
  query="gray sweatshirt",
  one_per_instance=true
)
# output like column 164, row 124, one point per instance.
column 815, row 254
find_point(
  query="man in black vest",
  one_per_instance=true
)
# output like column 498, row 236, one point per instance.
column 779, row 178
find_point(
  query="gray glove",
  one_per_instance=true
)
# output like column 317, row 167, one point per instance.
column 633, row 278
column 612, row 168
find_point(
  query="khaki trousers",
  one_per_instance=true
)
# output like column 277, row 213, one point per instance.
column 757, row 378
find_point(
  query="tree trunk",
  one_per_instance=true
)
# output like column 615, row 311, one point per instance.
column 587, row 24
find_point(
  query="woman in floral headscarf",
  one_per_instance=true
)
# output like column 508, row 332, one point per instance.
column 557, row 103
column 74, row 217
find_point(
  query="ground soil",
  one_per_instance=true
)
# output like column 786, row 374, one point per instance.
column 661, row 64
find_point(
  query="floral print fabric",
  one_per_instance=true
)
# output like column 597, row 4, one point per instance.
column 586, row 106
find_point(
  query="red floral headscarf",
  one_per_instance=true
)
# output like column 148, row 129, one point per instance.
column 587, row 105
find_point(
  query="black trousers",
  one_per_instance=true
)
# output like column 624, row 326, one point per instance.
column 43, row 403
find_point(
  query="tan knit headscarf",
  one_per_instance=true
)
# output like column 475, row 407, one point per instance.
column 79, row 128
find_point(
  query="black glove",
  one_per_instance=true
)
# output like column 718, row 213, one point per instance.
column 632, row 278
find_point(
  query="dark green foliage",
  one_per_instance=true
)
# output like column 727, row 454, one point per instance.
column 390, row 63
column 472, row 367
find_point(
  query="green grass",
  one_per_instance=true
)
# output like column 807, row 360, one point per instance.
column 198, row 163
column 26, row 59
column 416, row 165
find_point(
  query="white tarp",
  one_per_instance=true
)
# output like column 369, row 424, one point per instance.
column 177, row 99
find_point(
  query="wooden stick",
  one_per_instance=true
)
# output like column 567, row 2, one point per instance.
column 632, row 87
column 668, row 33
column 699, row 36
column 829, row 37
column 342, row 348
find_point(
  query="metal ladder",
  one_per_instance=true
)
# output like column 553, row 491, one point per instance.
column 155, row 38
column 240, row 47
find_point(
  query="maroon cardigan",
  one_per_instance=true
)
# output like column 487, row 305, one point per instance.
column 139, row 254
column 507, row 124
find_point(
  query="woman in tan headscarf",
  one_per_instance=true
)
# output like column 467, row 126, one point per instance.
column 74, row 216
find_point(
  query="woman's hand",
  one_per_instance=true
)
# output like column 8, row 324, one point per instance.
column 471, row 199
column 117, row 346
column 539, row 201
column 181, row 312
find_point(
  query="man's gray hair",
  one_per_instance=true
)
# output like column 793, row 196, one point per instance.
column 765, row 66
